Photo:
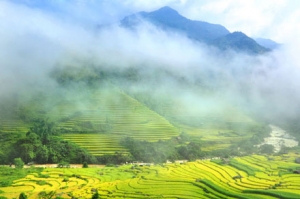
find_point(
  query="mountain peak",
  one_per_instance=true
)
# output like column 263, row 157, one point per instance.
column 238, row 34
column 167, row 9
column 169, row 19
column 166, row 13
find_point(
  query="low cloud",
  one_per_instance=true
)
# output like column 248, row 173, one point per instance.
column 34, row 42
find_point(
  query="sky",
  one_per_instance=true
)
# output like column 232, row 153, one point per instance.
column 274, row 19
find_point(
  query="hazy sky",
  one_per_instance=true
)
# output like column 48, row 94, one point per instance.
column 275, row 19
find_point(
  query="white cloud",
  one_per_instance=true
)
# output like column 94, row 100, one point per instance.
column 253, row 17
column 32, row 40
column 256, row 18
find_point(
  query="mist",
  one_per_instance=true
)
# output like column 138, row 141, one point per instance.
column 34, row 43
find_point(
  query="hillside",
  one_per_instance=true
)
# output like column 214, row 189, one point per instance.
column 190, row 102
column 97, row 118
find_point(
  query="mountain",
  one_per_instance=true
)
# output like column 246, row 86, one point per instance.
column 267, row 43
column 238, row 41
column 169, row 19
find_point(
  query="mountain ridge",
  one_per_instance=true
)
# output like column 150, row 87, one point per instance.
column 217, row 35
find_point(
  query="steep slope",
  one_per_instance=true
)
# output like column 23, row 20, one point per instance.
column 110, row 116
column 94, row 118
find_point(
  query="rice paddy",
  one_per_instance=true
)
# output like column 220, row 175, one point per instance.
column 270, row 177
column 97, row 119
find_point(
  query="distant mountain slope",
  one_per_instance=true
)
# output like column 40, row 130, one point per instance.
column 267, row 43
column 212, row 34
column 167, row 18
column 240, row 42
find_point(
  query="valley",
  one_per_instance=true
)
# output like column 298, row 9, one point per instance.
column 137, row 99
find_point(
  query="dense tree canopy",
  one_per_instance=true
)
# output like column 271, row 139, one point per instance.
column 42, row 145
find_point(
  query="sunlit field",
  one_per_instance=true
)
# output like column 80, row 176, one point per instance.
column 244, row 177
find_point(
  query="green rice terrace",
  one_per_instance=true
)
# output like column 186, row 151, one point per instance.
column 111, row 126
column 254, row 176
column 98, row 122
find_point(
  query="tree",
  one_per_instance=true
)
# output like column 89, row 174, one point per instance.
column 42, row 155
column 19, row 164
column 85, row 165
column 22, row 196
column 96, row 195
column 44, row 129
column 26, row 147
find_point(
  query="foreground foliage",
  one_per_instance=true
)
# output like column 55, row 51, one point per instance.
column 244, row 177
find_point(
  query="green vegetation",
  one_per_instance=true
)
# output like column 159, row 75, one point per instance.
column 23, row 196
column 271, row 177
column 161, row 151
column 98, row 117
column 96, row 108
column 9, row 174
column 19, row 164
column 41, row 144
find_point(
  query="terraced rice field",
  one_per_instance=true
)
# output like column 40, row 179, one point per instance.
column 215, row 122
column 97, row 144
column 111, row 116
column 97, row 119
column 13, row 125
column 250, row 177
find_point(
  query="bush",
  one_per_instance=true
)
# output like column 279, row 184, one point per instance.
column 85, row 165
column 22, row 196
column 5, row 183
column 41, row 182
column 19, row 164
column 96, row 195
column 43, row 175
column 65, row 179
column 44, row 194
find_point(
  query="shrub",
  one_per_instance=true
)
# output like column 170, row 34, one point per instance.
column 22, row 196
column 41, row 182
column 43, row 176
column 19, row 164
column 96, row 195
column 85, row 165
column 65, row 179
